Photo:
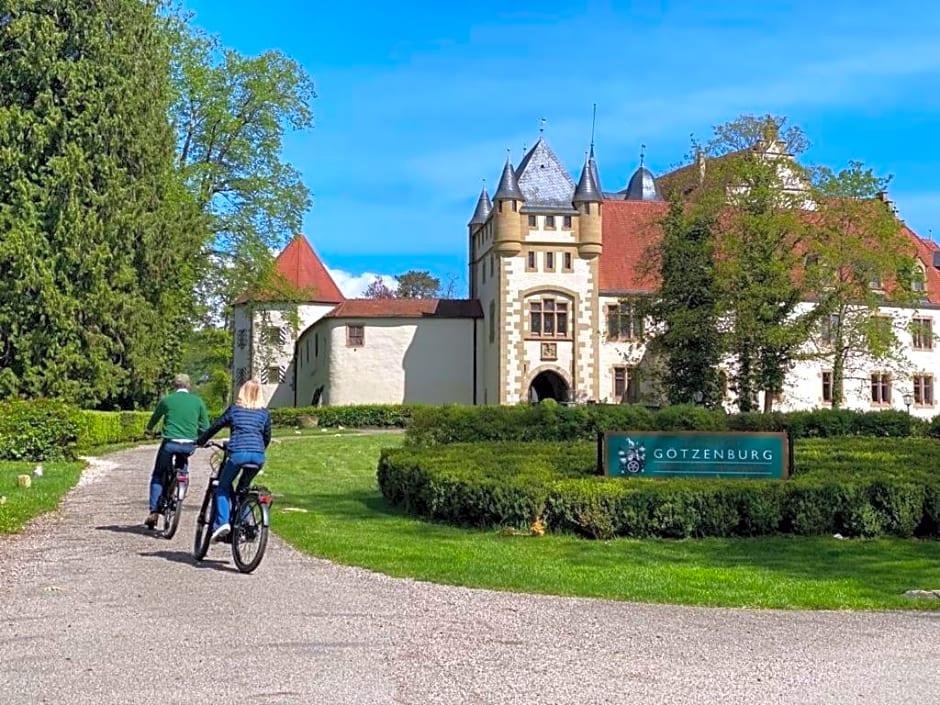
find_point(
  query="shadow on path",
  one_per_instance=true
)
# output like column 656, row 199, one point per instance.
column 129, row 529
column 187, row 558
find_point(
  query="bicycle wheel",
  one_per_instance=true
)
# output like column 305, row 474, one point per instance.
column 249, row 536
column 204, row 526
column 172, row 509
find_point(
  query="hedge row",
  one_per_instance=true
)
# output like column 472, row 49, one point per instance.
column 551, row 422
column 861, row 489
column 51, row 430
column 361, row 416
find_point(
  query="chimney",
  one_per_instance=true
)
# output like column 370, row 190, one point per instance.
column 883, row 197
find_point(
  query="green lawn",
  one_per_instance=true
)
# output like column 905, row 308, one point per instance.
column 22, row 505
column 348, row 521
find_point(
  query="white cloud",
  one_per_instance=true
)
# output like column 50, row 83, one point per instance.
column 354, row 285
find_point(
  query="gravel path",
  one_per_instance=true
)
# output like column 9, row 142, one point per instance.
column 93, row 609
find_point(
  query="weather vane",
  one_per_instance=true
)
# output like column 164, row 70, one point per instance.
column 642, row 154
column 542, row 122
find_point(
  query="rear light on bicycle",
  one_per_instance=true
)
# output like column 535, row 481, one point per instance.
column 265, row 499
column 182, row 484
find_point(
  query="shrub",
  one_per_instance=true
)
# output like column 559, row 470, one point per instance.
column 353, row 416
column 37, row 430
column 98, row 428
column 853, row 486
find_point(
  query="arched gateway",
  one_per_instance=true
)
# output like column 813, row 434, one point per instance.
column 548, row 385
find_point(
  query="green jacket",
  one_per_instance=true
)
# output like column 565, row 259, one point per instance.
column 184, row 416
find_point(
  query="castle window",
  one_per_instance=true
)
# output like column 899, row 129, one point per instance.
column 514, row 208
column 273, row 335
column 624, row 322
column 880, row 388
column 923, row 390
column 827, row 389
column 241, row 338
column 549, row 222
column 549, row 261
column 530, row 262
column 492, row 264
column 626, row 385
column 566, row 262
column 548, row 318
column 532, row 221
column 355, row 335
column 316, row 345
column 828, row 328
column 566, row 222
column 922, row 333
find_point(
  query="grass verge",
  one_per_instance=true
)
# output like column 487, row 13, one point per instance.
column 344, row 518
column 22, row 505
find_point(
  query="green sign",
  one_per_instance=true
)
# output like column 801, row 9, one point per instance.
column 694, row 454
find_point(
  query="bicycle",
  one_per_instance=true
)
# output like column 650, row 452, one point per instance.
column 250, row 516
column 175, row 487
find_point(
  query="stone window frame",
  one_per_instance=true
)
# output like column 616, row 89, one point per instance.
column 548, row 307
column 566, row 222
column 881, row 388
column 828, row 389
column 567, row 262
column 627, row 373
column 922, row 333
column 636, row 326
column 531, row 261
column 549, row 222
column 549, row 260
column 923, row 386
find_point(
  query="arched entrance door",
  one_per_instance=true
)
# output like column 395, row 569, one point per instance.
column 548, row 385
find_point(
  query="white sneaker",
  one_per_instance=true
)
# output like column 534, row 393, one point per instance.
column 221, row 532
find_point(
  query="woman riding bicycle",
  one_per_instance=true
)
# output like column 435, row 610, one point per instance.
column 251, row 433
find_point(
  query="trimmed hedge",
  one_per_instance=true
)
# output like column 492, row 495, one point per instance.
column 358, row 416
column 435, row 425
column 98, row 428
column 856, row 487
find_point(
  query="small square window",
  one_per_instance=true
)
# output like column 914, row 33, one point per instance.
column 549, row 221
column 532, row 221
column 355, row 335
column 566, row 222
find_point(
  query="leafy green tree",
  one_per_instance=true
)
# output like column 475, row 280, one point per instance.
column 99, row 233
column 759, row 193
column 415, row 284
column 859, row 259
column 231, row 112
column 687, row 343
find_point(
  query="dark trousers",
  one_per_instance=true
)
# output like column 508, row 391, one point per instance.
column 163, row 465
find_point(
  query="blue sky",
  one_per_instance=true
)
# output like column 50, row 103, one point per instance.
column 418, row 102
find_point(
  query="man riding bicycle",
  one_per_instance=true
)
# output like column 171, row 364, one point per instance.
column 184, row 417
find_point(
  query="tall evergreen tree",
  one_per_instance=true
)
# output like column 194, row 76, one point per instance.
column 97, row 233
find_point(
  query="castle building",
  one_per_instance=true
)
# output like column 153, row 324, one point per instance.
column 551, row 261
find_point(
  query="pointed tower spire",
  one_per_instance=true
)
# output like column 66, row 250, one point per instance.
column 508, row 187
column 588, row 189
column 483, row 209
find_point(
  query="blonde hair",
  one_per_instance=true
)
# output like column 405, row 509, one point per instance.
column 249, row 396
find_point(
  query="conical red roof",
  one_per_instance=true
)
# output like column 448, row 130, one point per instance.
column 302, row 269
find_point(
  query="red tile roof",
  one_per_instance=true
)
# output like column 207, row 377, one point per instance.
column 301, row 269
column 629, row 227
column 407, row 308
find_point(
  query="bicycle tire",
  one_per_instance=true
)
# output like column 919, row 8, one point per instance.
column 204, row 527
column 172, row 509
column 238, row 530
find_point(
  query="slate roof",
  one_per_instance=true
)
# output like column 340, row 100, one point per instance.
column 300, row 268
column 407, row 308
column 544, row 182
column 508, row 184
column 483, row 209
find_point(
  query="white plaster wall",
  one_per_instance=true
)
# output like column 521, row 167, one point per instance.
column 281, row 394
column 313, row 363
column 551, row 235
column 406, row 360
